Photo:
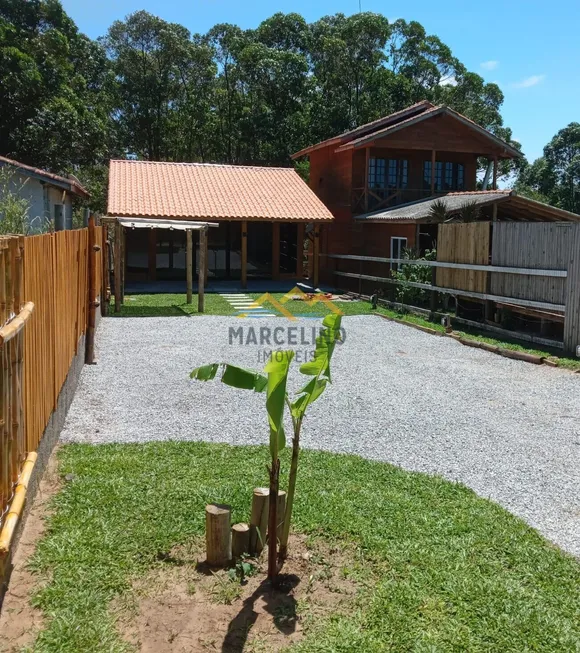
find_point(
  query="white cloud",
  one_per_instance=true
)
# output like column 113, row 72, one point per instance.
column 448, row 81
column 534, row 80
column 489, row 65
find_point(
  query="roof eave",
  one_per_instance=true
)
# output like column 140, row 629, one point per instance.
column 509, row 151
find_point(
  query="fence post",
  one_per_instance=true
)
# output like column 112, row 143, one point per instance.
column 117, row 257
column 572, row 296
column 92, row 294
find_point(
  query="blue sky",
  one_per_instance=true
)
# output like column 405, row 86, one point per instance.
column 530, row 48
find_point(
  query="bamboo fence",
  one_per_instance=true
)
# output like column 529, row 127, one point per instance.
column 45, row 307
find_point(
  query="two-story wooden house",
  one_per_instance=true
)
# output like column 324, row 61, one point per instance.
column 403, row 159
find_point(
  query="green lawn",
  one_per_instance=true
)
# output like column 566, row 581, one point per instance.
column 439, row 569
column 168, row 305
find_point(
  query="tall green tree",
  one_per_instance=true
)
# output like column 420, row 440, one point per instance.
column 555, row 177
column 56, row 102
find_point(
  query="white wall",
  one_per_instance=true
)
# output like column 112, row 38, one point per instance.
column 42, row 199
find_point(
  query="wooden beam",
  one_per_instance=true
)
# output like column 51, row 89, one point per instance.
column 300, row 250
column 202, row 270
column 316, row 257
column 275, row 250
column 244, row 275
column 494, row 183
column 433, row 162
column 152, row 255
column 123, row 262
column 117, row 265
column 562, row 274
column 189, row 264
column 367, row 161
column 494, row 212
column 454, row 291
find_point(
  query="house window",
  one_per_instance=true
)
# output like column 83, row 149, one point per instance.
column 448, row 176
column 398, row 245
column 388, row 173
column 377, row 173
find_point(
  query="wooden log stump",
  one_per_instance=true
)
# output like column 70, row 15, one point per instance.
column 259, row 519
column 240, row 540
column 280, row 512
column 218, row 537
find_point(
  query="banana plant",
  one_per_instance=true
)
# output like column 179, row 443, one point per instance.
column 274, row 384
column 319, row 370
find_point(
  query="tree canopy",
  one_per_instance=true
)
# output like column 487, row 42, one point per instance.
column 555, row 177
column 151, row 89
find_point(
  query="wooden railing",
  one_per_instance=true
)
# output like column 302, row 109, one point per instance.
column 374, row 199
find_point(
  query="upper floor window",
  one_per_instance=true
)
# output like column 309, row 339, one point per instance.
column 376, row 173
column 388, row 173
column 448, row 176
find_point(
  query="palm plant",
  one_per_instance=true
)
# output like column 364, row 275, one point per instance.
column 438, row 211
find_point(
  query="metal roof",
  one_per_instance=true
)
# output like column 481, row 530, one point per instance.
column 420, row 209
column 514, row 206
column 164, row 223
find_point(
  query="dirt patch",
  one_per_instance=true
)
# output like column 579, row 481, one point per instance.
column 19, row 621
column 184, row 606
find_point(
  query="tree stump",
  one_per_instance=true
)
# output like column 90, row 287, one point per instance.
column 240, row 540
column 280, row 513
column 218, row 537
column 259, row 519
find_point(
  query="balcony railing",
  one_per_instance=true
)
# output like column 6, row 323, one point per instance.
column 374, row 199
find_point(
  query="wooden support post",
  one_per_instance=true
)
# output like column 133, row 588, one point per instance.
column 202, row 269
column 280, row 512
column 316, row 258
column 259, row 519
column 367, row 164
column 433, row 295
column 494, row 212
column 494, row 184
column 117, row 265
column 275, row 250
column 105, row 271
column 218, row 536
column 240, row 540
column 572, row 295
column 300, row 251
column 189, row 264
column 123, row 262
column 152, row 255
column 244, row 277
column 433, row 164
column 92, row 295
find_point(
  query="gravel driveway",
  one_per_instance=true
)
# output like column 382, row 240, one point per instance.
column 507, row 429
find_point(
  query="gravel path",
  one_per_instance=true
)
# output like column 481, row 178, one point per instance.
column 507, row 429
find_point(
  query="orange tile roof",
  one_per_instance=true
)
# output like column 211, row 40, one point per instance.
column 210, row 191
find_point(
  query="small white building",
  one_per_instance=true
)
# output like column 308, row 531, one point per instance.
column 50, row 196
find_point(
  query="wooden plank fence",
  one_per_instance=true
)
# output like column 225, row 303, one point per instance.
column 533, row 265
column 45, row 305
column 531, row 245
column 464, row 243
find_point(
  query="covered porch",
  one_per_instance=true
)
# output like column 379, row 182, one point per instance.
column 237, row 252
